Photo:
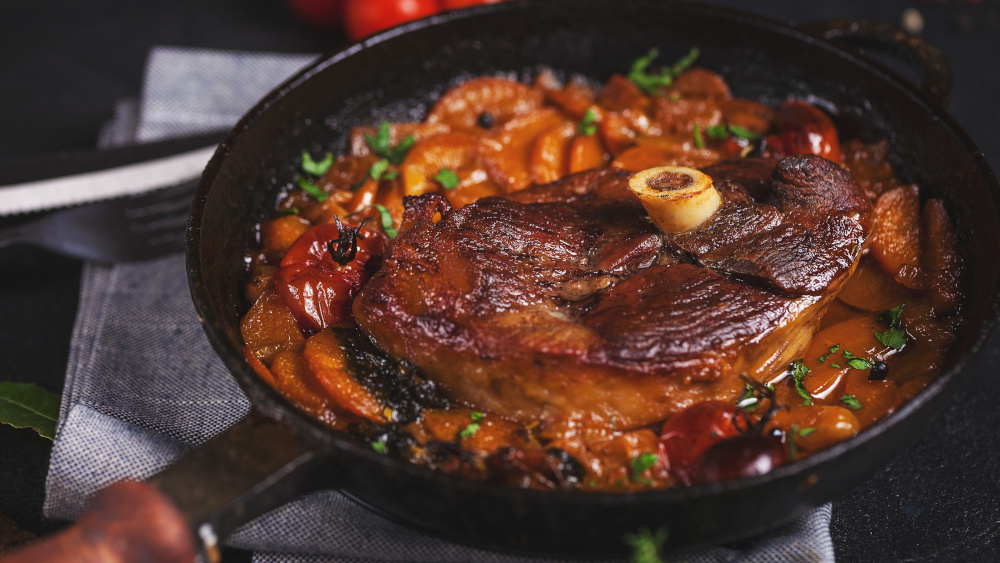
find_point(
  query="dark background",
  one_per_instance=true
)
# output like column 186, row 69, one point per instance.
column 66, row 63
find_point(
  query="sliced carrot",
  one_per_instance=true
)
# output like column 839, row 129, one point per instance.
column 575, row 98
column 702, row 83
column 506, row 150
column 258, row 367
column 549, row 158
column 327, row 361
column 269, row 327
column 878, row 399
column 870, row 289
column 616, row 132
column 940, row 258
column 586, row 153
column 501, row 98
column 659, row 152
column 619, row 93
column 816, row 427
column 896, row 242
column 833, row 346
column 745, row 114
column 281, row 232
column 681, row 116
column 454, row 151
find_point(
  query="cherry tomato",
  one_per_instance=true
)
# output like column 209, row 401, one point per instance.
column 693, row 430
column 321, row 13
column 364, row 17
column 740, row 456
column 804, row 129
column 316, row 289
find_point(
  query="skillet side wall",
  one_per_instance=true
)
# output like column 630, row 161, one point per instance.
column 396, row 77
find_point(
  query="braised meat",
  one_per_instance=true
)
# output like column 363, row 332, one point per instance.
column 565, row 298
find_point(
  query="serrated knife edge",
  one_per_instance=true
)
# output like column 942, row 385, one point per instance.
column 64, row 191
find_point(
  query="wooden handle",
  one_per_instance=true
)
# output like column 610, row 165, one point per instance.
column 125, row 522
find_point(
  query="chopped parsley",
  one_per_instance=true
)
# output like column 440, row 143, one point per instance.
column 724, row 131
column 793, row 448
column 799, row 371
column 379, row 169
column 646, row 546
column 894, row 337
column 835, row 365
column 833, row 350
column 651, row 82
column 386, row 219
column 856, row 362
column 312, row 189
column 287, row 211
column 890, row 318
column 748, row 401
column 851, row 402
column 588, row 125
column 469, row 430
column 447, row 179
column 381, row 147
column 477, row 416
column 698, row 141
column 380, row 446
column 310, row 166
column 641, row 463
column 805, row 432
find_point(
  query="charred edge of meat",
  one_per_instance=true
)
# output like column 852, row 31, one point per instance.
column 395, row 383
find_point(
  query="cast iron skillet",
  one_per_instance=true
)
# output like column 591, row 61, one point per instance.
column 278, row 452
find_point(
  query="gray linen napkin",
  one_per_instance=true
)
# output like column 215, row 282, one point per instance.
column 143, row 386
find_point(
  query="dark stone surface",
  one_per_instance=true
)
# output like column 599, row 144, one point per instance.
column 66, row 63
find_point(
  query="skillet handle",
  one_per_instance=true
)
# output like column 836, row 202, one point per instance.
column 254, row 466
column 937, row 79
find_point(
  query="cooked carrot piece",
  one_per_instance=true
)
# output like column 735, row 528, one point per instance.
column 871, row 289
column 549, row 159
column 702, row 83
column 875, row 399
column 870, row 166
column 327, row 361
column 681, row 116
column 259, row 368
column 586, row 153
column 616, row 132
column 896, row 242
column 281, row 232
column 269, row 328
column 654, row 152
column 829, row 355
column 940, row 258
column 506, row 150
column 619, row 93
column 815, row 427
column 500, row 98
column 453, row 151
column 575, row 99
column 745, row 114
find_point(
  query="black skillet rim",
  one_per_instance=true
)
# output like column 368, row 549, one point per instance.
column 273, row 405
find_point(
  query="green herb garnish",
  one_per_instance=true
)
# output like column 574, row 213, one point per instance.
column 799, row 371
column 698, row 141
column 588, row 125
column 793, row 448
column 723, row 131
column 651, row 82
column 891, row 317
column 806, row 431
column 748, row 401
column 646, row 545
column 835, row 365
column 381, row 147
column 851, row 402
column 310, row 166
column 856, row 362
column 469, row 430
column 312, row 189
column 386, row 219
column 895, row 337
column 287, row 211
column 641, row 463
column 380, row 447
column 477, row 416
column 378, row 169
column 447, row 179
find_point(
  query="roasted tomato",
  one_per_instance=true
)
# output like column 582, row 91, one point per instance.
column 364, row 17
column 804, row 129
column 689, row 433
column 315, row 287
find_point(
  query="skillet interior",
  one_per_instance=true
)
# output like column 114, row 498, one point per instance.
column 396, row 75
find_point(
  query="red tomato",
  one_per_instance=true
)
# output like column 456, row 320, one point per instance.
column 364, row 17
column 805, row 129
column 322, row 13
column 456, row 4
column 317, row 290
column 690, row 432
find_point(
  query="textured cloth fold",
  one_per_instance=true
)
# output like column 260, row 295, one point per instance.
column 143, row 385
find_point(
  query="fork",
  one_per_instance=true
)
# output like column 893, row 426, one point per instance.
column 124, row 229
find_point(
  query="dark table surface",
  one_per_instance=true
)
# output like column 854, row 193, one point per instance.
column 66, row 63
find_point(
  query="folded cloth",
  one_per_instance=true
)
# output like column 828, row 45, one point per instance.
column 143, row 385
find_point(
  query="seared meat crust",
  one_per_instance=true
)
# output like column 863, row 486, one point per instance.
column 565, row 298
